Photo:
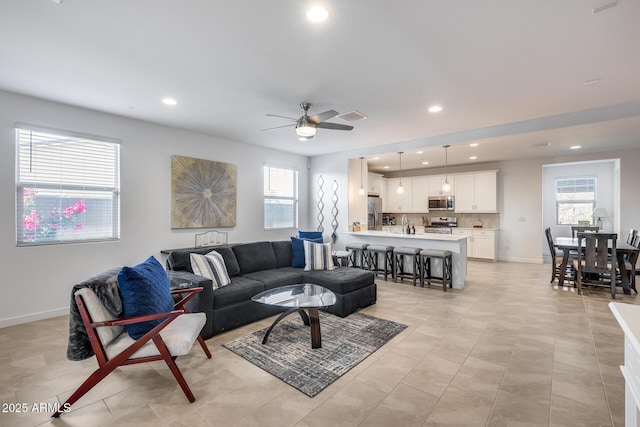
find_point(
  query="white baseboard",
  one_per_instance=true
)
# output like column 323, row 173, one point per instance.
column 524, row 260
column 33, row 317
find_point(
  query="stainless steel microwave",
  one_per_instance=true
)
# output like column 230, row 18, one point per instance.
column 441, row 203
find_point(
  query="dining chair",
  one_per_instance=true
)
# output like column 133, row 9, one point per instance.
column 174, row 336
column 556, row 258
column 597, row 262
column 630, row 260
column 581, row 229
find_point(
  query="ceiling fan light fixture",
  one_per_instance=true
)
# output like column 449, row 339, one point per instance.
column 305, row 128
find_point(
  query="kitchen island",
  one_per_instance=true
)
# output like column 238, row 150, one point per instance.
column 456, row 243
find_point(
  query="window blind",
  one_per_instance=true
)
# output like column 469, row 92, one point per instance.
column 280, row 198
column 67, row 187
column 575, row 200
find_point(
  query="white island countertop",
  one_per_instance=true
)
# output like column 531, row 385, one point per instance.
column 456, row 243
column 419, row 236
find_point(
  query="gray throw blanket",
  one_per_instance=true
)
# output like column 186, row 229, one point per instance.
column 105, row 285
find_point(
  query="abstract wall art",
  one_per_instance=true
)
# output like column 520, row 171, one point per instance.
column 203, row 193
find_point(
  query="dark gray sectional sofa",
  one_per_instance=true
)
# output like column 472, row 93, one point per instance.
column 255, row 267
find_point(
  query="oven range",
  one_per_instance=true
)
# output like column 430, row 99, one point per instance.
column 441, row 224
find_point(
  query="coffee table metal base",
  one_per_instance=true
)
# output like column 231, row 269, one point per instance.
column 312, row 320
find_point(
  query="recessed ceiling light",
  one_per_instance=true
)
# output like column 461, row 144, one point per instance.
column 425, row 163
column 317, row 14
column 169, row 101
column 419, row 152
column 385, row 167
column 575, row 147
column 435, row 109
column 473, row 158
column 473, row 144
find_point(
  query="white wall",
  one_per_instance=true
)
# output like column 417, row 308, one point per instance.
column 519, row 204
column 36, row 281
column 331, row 167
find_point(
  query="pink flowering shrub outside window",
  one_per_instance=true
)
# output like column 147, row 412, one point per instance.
column 39, row 226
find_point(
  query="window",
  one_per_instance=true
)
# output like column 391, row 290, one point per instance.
column 67, row 187
column 280, row 198
column 575, row 200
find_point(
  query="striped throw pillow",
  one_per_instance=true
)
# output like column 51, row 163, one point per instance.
column 212, row 267
column 317, row 256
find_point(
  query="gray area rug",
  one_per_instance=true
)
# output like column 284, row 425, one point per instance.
column 288, row 355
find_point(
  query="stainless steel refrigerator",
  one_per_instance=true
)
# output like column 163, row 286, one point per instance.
column 374, row 205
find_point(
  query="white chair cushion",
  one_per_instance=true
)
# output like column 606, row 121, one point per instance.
column 99, row 313
column 179, row 337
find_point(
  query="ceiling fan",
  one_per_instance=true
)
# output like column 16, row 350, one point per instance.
column 306, row 125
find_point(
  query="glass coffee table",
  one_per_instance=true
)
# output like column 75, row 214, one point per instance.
column 307, row 296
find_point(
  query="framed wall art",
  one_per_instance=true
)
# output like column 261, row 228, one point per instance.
column 203, row 193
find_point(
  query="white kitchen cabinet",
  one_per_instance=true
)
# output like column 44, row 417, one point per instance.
column 374, row 183
column 435, row 185
column 482, row 244
column 383, row 193
column 628, row 317
column 397, row 202
column 477, row 192
column 420, row 189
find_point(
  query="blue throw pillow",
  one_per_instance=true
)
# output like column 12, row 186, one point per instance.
column 145, row 289
column 310, row 235
column 297, row 248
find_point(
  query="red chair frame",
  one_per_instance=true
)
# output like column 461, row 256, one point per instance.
column 106, row 365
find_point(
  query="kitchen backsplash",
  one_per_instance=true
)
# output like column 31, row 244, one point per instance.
column 465, row 220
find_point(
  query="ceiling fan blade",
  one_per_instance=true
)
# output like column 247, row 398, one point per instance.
column 282, row 117
column 321, row 117
column 279, row 127
column 334, row 126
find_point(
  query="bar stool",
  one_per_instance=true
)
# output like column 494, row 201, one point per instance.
column 341, row 258
column 399, row 255
column 357, row 251
column 425, row 262
column 374, row 252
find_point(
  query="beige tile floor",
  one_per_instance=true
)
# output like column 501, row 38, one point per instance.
column 508, row 350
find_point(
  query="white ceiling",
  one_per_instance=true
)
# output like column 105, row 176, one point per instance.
column 509, row 74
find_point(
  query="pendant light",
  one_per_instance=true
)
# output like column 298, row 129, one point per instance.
column 400, row 188
column 446, row 187
column 361, row 190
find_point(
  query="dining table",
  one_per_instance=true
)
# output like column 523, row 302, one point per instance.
column 623, row 251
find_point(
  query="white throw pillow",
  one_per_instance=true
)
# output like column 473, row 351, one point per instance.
column 212, row 267
column 317, row 256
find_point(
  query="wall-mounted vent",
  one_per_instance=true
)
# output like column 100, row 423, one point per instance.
column 598, row 9
column 351, row 116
